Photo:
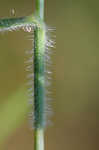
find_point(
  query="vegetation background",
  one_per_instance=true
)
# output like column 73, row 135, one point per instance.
column 75, row 77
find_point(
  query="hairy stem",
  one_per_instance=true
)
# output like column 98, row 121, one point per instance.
column 14, row 23
column 39, row 78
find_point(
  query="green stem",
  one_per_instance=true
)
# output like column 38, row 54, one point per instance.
column 39, row 81
column 40, row 9
column 14, row 23
column 39, row 78
column 39, row 140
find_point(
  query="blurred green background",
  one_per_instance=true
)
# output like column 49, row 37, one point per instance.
column 75, row 84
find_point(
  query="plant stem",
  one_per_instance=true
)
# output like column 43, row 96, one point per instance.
column 40, row 9
column 39, row 140
column 16, row 23
column 39, row 78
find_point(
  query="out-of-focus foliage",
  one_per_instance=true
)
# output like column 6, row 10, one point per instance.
column 13, row 113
